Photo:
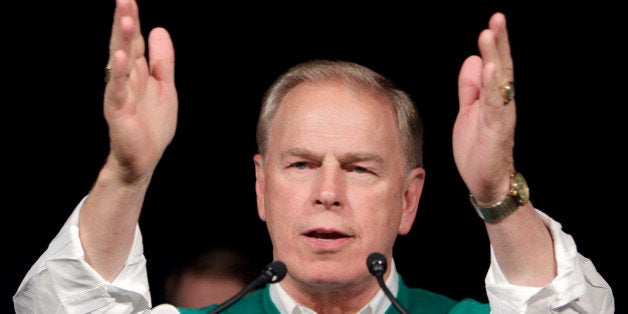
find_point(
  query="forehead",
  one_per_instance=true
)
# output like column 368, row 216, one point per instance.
column 333, row 113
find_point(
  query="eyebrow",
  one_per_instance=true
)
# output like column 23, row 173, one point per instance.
column 350, row 157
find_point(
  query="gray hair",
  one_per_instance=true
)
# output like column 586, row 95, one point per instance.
column 409, row 121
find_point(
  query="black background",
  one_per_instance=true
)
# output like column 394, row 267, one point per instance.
column 569, row 69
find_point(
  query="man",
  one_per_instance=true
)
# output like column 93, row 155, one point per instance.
column 338, row 176
column 210, row 278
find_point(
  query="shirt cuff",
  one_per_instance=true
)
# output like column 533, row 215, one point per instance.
column 568, row 285
column 61, row 276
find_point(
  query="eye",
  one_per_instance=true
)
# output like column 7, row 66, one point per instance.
column 358, row 169
column 300, row 165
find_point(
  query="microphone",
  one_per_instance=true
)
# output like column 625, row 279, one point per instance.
column 377, row 265
column 274, row 272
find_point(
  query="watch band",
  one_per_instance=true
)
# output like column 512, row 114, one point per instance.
column 518, row 195
column 497, row 211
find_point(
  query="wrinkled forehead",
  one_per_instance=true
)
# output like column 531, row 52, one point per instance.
column 334, row 113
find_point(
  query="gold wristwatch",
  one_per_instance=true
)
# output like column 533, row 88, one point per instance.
column 518, row 195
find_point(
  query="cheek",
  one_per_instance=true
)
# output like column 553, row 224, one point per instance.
column 282, row 205
column 383, row 215
column 388, row 221
column 284, row 194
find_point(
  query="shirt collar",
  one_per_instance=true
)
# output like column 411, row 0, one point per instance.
column 377, row 305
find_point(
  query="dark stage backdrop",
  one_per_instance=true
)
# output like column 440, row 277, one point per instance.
column 569, row 69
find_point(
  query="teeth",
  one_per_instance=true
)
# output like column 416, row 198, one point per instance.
column 324, row 239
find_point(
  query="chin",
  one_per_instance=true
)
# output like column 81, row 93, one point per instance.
column 326, row 274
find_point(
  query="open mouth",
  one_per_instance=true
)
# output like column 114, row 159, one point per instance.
column 326, row 235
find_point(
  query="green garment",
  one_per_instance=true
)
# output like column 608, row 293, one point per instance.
column 414, row 300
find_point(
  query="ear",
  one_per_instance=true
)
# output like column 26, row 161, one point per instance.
column 413, row 188
column 259, row 185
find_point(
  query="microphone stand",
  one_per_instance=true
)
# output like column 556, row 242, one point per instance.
column 376, row 263
column 274, row 272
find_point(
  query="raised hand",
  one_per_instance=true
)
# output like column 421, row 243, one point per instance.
column 140, row 103
column 483, row 137
column 140, row 106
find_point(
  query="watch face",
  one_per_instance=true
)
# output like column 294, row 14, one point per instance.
column 521, row 188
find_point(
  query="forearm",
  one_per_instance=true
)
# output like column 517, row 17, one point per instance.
column 524, row 248
column 108, row 220
column 576, row 288
column 61, row 280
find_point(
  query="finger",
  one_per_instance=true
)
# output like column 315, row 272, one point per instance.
column 125, row 39
column 136, row 40
column 161, row 55
column 470, row 81
column 119, row 26
column 116, row 87
column 497, row 24
column 491, row 76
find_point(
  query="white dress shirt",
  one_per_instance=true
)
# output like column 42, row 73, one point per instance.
column 377, row 305
column 61, row 281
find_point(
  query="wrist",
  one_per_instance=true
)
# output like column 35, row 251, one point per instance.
column 517, row 196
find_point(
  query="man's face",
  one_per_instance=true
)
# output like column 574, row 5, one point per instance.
column 332, row 189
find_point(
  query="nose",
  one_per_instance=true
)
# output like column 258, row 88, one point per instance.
column 328, row 199
column 330, row 185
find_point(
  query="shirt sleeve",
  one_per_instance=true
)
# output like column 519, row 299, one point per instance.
column 61, row 281
column 577, row 288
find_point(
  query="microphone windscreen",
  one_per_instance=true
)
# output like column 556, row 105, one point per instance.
column 278, row 269
column 376, row 263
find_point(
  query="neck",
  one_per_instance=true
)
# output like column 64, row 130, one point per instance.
column 332, row 297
